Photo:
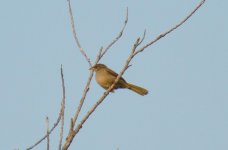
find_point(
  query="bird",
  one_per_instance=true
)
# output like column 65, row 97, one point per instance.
column 105, row 77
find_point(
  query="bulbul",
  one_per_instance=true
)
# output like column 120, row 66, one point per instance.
column 105, row 77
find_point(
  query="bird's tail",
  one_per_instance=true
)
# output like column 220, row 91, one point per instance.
column 137, row 89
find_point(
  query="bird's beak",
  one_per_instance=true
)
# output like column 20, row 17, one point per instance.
column 92, row 68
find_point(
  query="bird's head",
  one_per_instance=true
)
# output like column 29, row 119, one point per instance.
column 97, row 67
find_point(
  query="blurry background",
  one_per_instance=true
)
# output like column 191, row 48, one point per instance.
column 186, row 74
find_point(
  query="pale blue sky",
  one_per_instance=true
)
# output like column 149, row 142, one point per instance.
column 186, row 74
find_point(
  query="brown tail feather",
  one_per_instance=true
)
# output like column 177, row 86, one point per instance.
column 137, row 89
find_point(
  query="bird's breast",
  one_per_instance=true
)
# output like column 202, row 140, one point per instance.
column 104, row 79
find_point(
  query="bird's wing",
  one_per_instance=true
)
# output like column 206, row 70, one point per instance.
column 114, row 74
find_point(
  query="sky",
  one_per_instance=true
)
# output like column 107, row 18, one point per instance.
column 186, row 74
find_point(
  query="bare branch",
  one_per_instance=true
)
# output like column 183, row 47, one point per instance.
column 75, row 35
column 47, row 126
column 62, row 113
column 82, row 99
column 118, row 37
column 99, row 55
column 171, row 29
column 143, row 37
column 62, row 109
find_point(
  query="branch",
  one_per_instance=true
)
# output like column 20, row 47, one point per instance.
column 118, row 36
column 62, row 113
column 47, row 126
column 62, row 109
column 75, row 35
column 172, row 29
column 86, row 89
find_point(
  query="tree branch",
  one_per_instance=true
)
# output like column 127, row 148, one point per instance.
column 48, row 138
column 118, row 36
column 62, row 113
column 171, row 29
column 75, row 35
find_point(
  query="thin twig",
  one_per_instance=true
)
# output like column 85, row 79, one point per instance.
column 118, row 36
column 75, row 34
column 171, row 29
column 48, row 138
column 86, row 89
column 143, row 37
column 99, row 55
column 62, row 109
column 62, row 113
